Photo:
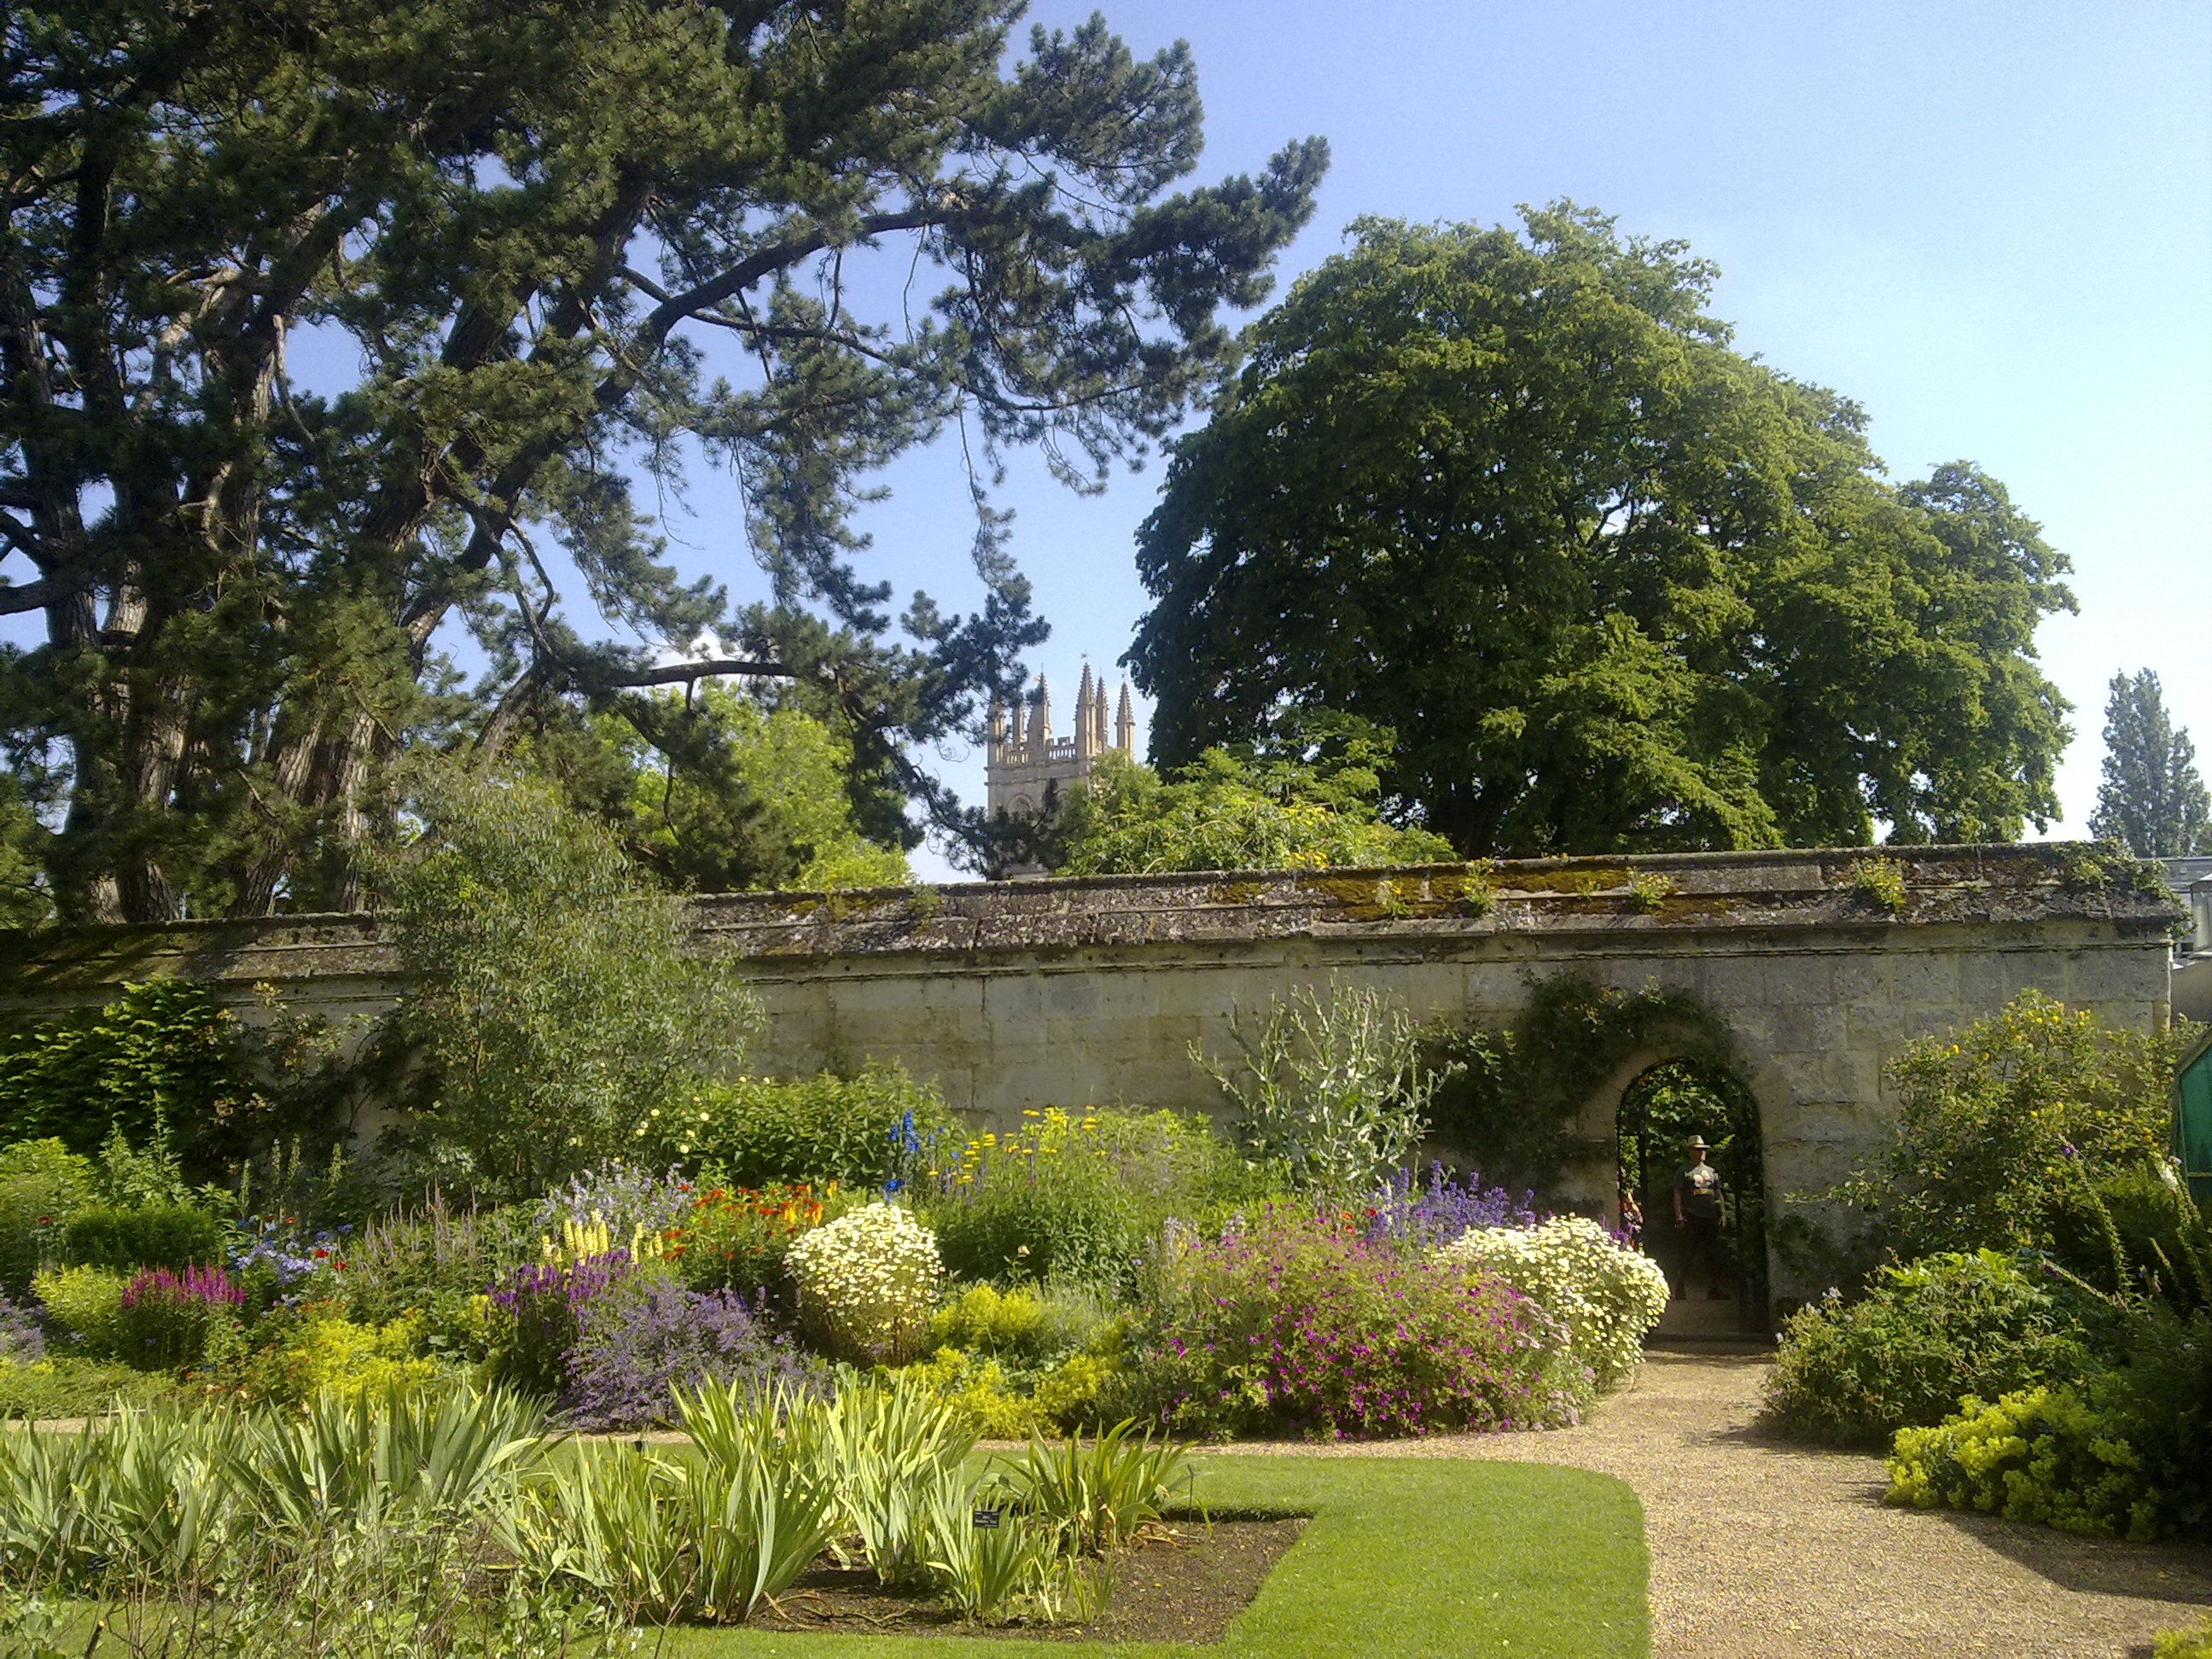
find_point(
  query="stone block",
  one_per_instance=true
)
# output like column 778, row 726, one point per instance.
column 1924, row 978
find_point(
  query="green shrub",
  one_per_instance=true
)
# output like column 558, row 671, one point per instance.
column 436, row 1260
column 41, row 1184
column 1927, row 1333
column 1080, row 1198
column 2157, row 1231
column 62, row 1386
column 157, row 1236
column 857, row 1131
column 551, row 996
column 1996, row 1119
column 1074, row 1222
column 87, row 1304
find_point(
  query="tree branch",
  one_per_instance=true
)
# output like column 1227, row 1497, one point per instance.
column 31, row 596
column 769, row 260
column 679, row 673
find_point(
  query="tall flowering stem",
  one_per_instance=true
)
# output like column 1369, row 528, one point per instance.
column 164, row 1316
column 1420, row 1213
column 544, row 1303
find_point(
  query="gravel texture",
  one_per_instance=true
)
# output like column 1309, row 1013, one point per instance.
column 1765, row 1550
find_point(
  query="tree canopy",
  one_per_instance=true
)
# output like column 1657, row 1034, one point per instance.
column 1303, row 797
column 2152, row 800
column 554, row 248
column 1616, row 586
column 716, row 790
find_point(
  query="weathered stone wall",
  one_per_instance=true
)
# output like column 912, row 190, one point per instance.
column 1090, row 991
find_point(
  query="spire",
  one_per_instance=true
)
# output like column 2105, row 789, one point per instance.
column 1016, row 728
column 1124, row 722
column 1040, row 721
column 1098, row 718
column 997, row 728
column 1086, row 732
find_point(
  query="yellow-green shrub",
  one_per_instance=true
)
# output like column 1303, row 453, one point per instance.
column 87, row 1302
column 997, row 1321
column 1003, row 1404
column 2043, row 1455
column 1067, row 1393
column 978, row 1387
column 329, row 1354
column 2191, row 1644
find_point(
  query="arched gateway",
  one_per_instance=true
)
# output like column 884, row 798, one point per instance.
column 1817, row 966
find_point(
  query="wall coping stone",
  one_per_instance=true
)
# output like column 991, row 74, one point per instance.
column 1631, row 901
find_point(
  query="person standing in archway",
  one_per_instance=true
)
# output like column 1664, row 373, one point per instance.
column 1698, row 1216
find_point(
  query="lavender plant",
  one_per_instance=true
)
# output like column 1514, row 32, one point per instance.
column 1422, row 1214
column 22, row 1341
column 647, row 1336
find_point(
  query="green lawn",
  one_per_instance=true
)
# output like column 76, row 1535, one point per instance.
column 1405, row 1556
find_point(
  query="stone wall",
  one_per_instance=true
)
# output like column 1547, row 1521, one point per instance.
column 1092, row 991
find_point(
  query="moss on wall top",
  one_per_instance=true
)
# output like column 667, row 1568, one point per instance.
column 1689, row 892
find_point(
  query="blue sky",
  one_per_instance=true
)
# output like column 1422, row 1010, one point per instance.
column 1990, row 224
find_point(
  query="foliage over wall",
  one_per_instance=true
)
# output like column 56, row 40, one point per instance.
column 1305, row 796
column 1617, row 585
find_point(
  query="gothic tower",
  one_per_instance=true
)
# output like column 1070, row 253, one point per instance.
column 1024, row 761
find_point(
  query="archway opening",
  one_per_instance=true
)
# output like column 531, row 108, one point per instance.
column 1661, row 1110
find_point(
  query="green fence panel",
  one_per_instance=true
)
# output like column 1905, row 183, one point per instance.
column 2192, row 1120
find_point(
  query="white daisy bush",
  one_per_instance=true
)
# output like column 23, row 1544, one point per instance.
column 1608, row 1294
column 868, row 1282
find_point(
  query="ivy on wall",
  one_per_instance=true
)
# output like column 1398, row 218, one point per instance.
column 1510, row 1107
column 167, row 1057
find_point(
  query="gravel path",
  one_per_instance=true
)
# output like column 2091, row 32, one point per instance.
column 1762, row 1550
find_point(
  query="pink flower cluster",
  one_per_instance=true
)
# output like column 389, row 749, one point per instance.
column 1301, row 1324
column 207, row 1286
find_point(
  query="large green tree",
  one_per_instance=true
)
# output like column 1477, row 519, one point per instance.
column 2152, row 800
column 540, row 249
column 1614, row 584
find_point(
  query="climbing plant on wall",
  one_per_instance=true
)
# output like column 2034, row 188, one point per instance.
column 1509, row 1108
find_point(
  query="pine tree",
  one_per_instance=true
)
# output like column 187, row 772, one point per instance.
column 2152, row 800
